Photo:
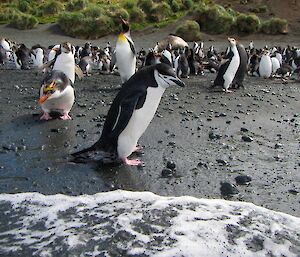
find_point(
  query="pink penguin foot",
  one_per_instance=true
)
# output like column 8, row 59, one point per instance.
column 46, row 116
column 132, row 162
column 66, row 116
column 137, row 149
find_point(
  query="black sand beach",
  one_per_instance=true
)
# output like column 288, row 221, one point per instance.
column 197, row 129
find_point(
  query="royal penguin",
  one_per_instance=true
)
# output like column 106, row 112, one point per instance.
column 38, row 56
column 229, row 66
column 125, row 53
column 132, row 111
column 85, row 64
column 86, row 50
column 265, row 65
column 56, row 96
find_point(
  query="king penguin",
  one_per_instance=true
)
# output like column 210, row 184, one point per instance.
column 229, row 66
column 132, row 111
column 56, row 96
column 125, row 53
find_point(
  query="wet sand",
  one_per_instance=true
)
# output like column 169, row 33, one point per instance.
column 198, row 129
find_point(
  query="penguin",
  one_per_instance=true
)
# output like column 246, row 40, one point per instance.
column 56, row 96
column 85, row 64
column 21, row 57
column 166, row 57
column 37, row 56
column 265, row 65
column 3, row 56
column 183, row 69
column 125, row 53
column 150, row 58
column 6, row 46
column 275, row 65
column 241, row 72
column 229, row 66
column 86, row 50
column 132, row 111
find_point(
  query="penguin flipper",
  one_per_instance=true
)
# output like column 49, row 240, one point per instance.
column 131, row 46
column 79, row 72
column 47, row 64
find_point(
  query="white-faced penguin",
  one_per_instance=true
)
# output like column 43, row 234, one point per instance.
column 56, row 96
column 265, row 65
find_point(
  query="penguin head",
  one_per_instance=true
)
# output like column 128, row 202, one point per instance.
column 165, row 76
column 53, row 85
column 125, row 25
column 232, row 41
column 66, row 47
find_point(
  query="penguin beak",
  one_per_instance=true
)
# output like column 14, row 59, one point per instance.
column 47, row 92
column 43, row 98
column 178, row 82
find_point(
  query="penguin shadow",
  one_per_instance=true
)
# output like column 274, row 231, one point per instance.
column 27, row 120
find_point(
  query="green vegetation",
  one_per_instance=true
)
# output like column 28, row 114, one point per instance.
column 247, row 24
column 274, row 26
column 96, row 18
column 214, row 19
column 189, row 31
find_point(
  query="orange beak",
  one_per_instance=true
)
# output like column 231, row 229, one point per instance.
column 43, row 98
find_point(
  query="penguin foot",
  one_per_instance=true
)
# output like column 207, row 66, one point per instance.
column 131, row 162
column 137, row 149
column 46, row 116
column 227, row 90
column 66, row 116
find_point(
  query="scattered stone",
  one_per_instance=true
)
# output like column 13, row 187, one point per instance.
column 222, row 162
column 228, row 189
column 55, row 130
column 243, row 179
column 167, row 173
column 213, row 136
column 278, row 145
column 171, row 165
column 244, row 130
column 247, row 138
column 293, row 192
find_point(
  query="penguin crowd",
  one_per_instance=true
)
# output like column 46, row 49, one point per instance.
column 144, row 76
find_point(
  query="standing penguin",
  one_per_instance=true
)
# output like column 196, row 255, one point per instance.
column 56, row 96
column 265, row 65
column 125, row 53
column 229, row 66
column 132, row 111
column 241, row 72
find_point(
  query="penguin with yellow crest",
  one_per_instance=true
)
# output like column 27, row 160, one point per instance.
column 125, row 53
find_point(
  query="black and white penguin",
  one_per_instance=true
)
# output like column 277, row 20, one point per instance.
column 265, row 65
column 85, row 64
column 151, row 58
column 125, row 53
column 229, row 66
column 5, row 44
column 38, row 55
column 182, row 65
column 86, row 50
column 21, row 56
column 56, row 96
column 242, row 70
column 132, row 111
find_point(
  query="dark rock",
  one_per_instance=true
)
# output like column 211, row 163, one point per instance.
column 228, row 189
column 243, row 179
column 247, row 138
column 222, row 162
column 278, row 145
column 212, row 135
column 171, row 165
column 55, row 130
column 167, row 173
column 293, row 192
column 244, row 130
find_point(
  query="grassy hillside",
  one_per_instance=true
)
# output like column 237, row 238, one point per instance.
column 92, row 19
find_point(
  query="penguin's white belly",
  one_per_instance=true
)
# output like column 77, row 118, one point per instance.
column 231, row 70
column 125, row 60
column 279, row 57
column 61, row 102
column 18, row 66
column 139, row 122
column 275, row 64
column 66, row 64
column 265, row 67
column 38, row 59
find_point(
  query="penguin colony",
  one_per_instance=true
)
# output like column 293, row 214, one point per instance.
column 144, row 77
